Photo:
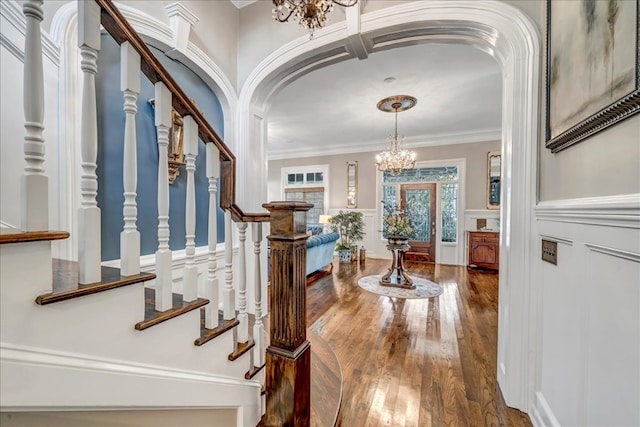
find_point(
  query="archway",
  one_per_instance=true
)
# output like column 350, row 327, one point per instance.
column 513, row 40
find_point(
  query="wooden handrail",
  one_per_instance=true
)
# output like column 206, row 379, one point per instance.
column 121, row 30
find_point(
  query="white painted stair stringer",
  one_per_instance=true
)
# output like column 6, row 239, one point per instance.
column 68, row 381
column 95, row 326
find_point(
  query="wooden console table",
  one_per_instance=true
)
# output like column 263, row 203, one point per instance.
column 484, row 249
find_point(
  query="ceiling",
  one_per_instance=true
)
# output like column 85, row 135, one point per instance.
column 333, row 110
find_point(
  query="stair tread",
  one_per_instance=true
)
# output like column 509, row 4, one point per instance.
column 65, row 284
column 242, row 348
column 11, row 235
column 153, row 317
column 253, row 371
column 207, row 335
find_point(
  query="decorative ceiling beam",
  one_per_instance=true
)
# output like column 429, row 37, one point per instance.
column 356, row 44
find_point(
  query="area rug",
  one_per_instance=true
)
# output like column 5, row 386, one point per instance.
column 424, row 288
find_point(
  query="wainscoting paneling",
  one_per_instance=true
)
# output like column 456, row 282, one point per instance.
column 589, row 306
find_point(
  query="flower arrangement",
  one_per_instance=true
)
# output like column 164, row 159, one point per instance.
column 395, row 223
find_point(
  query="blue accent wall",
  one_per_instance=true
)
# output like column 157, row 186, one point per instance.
column 111, row 120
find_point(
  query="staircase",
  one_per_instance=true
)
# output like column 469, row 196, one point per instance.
column 123, row 342
column 82, row 336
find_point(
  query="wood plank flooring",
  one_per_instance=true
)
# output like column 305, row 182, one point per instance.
column 422, row 362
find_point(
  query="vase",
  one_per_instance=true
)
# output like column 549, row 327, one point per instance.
column 396, row 240
column 344, row 256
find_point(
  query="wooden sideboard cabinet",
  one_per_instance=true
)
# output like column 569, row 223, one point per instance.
column 484, row 249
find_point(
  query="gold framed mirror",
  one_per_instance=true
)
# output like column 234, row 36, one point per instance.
column 494, row 166
column 352, row 184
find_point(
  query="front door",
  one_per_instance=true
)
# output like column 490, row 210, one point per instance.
column 419, row 201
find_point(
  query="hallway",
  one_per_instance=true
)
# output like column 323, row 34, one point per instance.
column 421, row 362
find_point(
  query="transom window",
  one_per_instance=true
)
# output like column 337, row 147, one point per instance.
column 307, row 184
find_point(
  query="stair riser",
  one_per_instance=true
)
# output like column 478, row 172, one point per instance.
column 27, row 266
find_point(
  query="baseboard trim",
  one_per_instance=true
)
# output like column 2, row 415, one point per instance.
column 541, row 414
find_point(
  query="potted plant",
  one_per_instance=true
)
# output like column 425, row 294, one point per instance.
column 350, row 225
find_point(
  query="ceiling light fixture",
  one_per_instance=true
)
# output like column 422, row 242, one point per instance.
column 395, row 160
column 311, row 14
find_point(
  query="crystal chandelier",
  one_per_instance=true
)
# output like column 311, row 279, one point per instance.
column 395, row 160
column 311, row 14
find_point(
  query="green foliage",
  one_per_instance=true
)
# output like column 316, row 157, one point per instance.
column 350, row 225
column 395, row 222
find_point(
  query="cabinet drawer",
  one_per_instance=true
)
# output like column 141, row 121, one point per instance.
column 483, row 237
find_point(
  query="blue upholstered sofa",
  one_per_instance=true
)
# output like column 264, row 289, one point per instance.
column 320, row 249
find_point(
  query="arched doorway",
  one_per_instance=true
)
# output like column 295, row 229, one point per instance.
column 513, row 40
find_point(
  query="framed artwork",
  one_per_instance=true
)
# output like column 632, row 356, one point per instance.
column 593, row 63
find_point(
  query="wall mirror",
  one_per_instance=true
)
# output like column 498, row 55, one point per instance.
column 494, row 166
column 352, row 184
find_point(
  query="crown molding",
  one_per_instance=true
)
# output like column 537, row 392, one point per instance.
column 420, row 141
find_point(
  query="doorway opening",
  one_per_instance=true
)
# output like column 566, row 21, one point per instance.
column 432, row 196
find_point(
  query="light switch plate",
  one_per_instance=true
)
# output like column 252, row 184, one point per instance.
column 550, row 251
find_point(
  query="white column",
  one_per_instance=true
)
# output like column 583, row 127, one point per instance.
column 243, row 318
column 130, row 86
column 258, row 327
column 228, row 297
column 211, row 284
column 34, row 183
column 163, row 121
column 89, row 213
column 190, row 276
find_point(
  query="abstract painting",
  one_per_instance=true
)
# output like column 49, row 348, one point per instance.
column 592, row 67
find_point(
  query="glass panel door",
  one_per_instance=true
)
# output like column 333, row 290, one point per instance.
column 419, row 202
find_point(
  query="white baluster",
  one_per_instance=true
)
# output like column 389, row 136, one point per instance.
column 130, row 86
column 211, row 284
column 34, row 183
column 163, row 123
column 258, row 327
column 190, row 276
column 243, row 318
column 229, row 300
column 89, row 213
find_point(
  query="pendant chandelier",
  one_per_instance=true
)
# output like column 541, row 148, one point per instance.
column 395, row 160
column 311, row 14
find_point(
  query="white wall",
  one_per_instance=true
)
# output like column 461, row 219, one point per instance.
column 589, row 305
column 476, row 174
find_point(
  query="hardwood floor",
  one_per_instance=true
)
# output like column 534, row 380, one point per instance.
column 420, row 362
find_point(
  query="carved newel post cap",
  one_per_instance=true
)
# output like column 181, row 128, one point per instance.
column 288, row 218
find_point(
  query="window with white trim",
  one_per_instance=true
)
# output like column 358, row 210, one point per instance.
column 308, row 184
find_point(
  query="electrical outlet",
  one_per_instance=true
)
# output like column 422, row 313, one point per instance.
column 550, row 251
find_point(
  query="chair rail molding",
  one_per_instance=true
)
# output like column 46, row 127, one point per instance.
column 615, row 211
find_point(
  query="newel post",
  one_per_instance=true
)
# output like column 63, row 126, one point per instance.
column 289, row 354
